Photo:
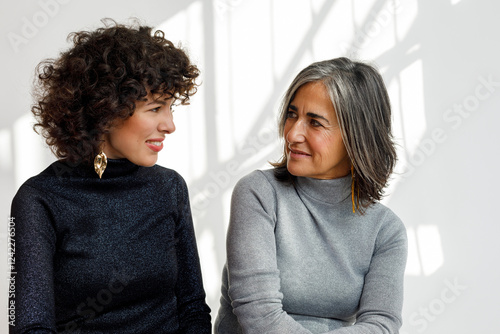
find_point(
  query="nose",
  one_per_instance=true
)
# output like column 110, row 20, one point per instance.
column 166, row 124
column 295, row 133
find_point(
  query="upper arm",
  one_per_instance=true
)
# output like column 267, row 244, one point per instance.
column 34, row 243
column 194, row 313
column 253, row 275
column 250, row 238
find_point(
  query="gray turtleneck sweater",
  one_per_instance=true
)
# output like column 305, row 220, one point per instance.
column 300, row 261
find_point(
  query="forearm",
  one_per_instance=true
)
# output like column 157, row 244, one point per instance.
column 257, row 303
column 382, row 298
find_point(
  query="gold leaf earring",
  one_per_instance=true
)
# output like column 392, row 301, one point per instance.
column 100, row 163
column 354, row 205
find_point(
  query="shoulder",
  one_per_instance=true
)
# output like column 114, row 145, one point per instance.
column 259, row 180
column 381, row 211
column 40, row 183
column 25, row 195
column 259, row 183
column 255, row 183
column 33, row 204
column 163, row 171
column 167, row 182
column 390, row 226
column 163, row 175
column 258, row 189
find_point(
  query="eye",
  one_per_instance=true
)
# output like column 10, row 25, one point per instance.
column 290, row 114
column 315, row 123
column 157, row 109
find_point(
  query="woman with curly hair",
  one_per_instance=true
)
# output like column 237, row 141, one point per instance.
column 104, row 237
column 309, row 247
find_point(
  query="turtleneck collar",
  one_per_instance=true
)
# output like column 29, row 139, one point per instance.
column 114, row 168
column 118, row 167
column 327, row 191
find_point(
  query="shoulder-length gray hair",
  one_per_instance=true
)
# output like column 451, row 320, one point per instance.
column 360, row 99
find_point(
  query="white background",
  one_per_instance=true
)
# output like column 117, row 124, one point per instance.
column 440, row 60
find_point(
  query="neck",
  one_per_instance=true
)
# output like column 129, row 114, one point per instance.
column 329, row 191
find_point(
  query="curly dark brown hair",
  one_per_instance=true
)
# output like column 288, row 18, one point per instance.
column 99, row 80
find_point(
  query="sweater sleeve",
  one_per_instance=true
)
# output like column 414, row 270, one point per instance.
column 194, row 313
column 381, row 302
column 254, row 278
column 32, row 274
column 253, row 275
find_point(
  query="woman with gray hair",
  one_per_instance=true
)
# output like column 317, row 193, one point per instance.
column 309, row 247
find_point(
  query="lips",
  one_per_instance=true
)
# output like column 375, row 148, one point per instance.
column 155, row 144
column 294, row 153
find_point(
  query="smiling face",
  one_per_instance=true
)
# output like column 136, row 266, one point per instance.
column 140, row 137
column 314, row 145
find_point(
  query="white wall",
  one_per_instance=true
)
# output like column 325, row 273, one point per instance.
column 439, row 59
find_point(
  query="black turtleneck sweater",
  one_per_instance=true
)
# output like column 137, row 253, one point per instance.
column 110, row 255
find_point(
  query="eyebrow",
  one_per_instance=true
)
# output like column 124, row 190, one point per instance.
column 162, row 102
column 159, row 101
column 310, row 114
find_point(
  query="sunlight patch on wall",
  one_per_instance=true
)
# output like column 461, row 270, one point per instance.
column 407, row 14
column 375, row 28
column 287, row 33
column 29, row 150
column 412, row 105
column 341, row 42
column 409, row 124
column 209, row 265
column 251, row 50
column 5, row 150
column 425, row 251
column 224, row 108
column 413, row 267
